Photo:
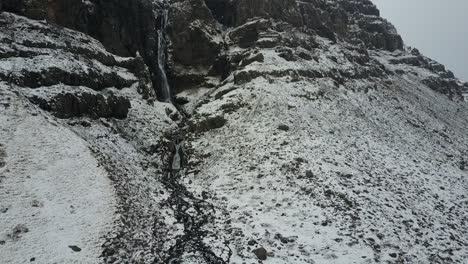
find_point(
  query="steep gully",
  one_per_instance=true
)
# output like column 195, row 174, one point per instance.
column 193, row 212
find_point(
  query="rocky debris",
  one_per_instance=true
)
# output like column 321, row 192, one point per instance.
column 251, row 242
column 18, row 231
column 95, row 105
column 36, row 203
column 194, row 214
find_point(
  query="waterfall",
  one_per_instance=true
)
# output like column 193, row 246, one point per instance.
column 166, row 94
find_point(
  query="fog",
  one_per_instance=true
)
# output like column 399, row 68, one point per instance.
column 438, row 28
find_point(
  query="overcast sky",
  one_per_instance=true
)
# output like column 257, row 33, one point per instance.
column 438, row 28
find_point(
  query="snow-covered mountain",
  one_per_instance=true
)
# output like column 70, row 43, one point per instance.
column 225, row 131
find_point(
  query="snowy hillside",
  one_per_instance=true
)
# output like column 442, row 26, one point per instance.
column 226, row 131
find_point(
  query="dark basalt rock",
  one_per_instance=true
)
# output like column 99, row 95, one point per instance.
column 55, row 75
column 261, row 253
column 95, row 105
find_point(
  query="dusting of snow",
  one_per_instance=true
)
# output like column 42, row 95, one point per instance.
column 364, row 172
column 52, row 186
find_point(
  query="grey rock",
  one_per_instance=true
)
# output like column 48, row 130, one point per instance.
column 283, row 127
column 261, row 253
column 75, row 248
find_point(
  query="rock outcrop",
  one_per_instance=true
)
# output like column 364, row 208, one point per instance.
column 63, row 60
column 125, row 28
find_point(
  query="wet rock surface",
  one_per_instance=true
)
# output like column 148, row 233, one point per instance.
column 194, row 214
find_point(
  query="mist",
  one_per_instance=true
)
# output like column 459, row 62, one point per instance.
column 438, row 28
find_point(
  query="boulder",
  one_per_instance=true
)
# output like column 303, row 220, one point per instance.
column 261, row 253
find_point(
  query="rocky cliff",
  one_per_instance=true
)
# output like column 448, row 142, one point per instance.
column 225, row 131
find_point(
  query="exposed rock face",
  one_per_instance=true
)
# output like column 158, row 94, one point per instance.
column 195, row 42
column 303, row 131
column 59, row 65
column 78, row 104
column 123, row 27
column 198, row 45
